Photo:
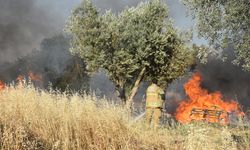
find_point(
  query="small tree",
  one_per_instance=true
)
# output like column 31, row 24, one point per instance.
column 225, row 23
column 138, row 44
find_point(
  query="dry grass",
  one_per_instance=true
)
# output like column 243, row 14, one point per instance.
column 32, row 119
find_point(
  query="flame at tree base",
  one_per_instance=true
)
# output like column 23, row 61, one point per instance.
column 202, row 105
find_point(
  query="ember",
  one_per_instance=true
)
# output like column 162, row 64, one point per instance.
column 2, row 85
column 34, row 77
column 20, row 78
column 204, row 106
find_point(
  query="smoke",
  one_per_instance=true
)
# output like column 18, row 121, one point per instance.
column 53, row 62
column 231, row 80
column 115, row 5
column 102, row 86
column 217, row 75
column 23, row 25
column 175, row 93
column 53, row 54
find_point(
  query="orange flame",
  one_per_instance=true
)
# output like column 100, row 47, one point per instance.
column 20, row 78
column 34, row 77
column 202, row 105
column 2, row 85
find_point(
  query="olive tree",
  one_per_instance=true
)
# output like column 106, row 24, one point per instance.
column 140, row 43
column 224, row 23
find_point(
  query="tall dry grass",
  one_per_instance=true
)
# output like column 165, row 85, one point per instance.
column 37, row 119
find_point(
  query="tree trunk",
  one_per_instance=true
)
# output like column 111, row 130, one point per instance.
column 122, row 95
column 120, row 89
column 135, row 88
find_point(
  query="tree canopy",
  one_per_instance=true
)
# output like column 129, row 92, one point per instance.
column 140, row 43
column 225, row 23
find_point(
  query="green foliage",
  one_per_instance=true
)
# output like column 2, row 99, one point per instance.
column 225, row 23
column 138, row 37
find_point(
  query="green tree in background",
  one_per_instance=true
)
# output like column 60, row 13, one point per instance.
column 225, row 23
column 138, row 44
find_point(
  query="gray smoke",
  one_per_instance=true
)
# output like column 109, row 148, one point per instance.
column 115, row 5
column 231, row 80
column 217, row 75
column 23, row 25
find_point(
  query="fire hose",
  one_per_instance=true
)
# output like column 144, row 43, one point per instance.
column 140, row 116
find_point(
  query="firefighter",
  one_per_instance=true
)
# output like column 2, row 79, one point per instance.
column 155, row 98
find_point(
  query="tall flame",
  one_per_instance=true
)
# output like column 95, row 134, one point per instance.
column 202, row 101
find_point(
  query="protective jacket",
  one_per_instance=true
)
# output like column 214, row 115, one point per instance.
column 154, row 97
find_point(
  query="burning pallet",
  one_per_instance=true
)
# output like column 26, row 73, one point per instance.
column 202, row 105
column 209, row 115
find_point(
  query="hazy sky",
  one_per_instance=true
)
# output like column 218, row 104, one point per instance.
column 63, row 8
column 176, row 10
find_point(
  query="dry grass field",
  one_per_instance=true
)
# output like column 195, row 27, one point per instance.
column 37, row 119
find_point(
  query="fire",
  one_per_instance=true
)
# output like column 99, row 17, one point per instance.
column 20, row 81
column 202, row 105
column 20, row 78
column 2, row 85
column 34, row 77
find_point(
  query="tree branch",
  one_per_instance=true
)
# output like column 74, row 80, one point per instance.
column 135, row 88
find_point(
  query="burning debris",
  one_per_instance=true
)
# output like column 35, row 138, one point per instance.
column 204, row 106
column 209, row 115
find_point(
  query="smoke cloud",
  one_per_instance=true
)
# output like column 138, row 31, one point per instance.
column 230, row 79
column 23, row 25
